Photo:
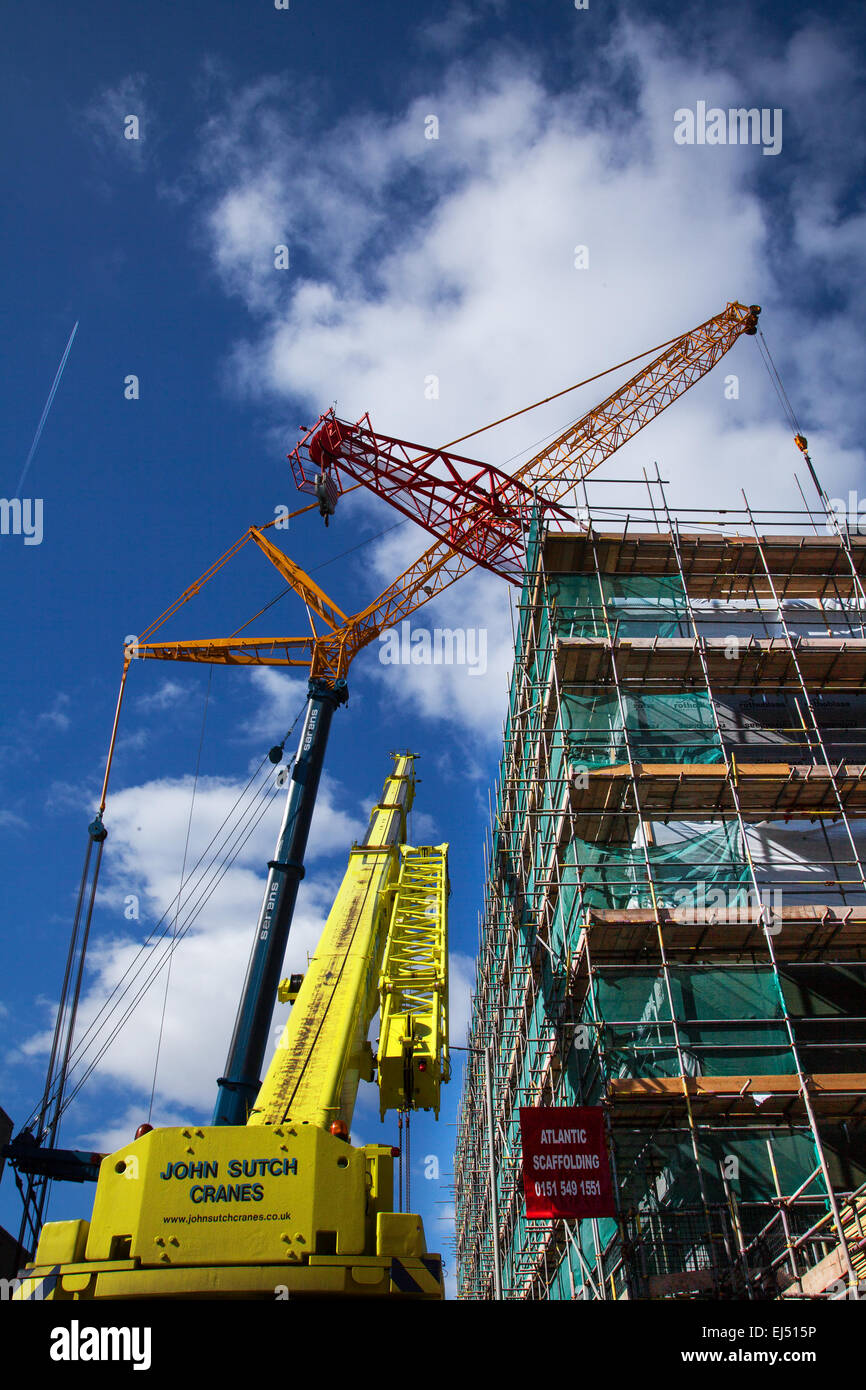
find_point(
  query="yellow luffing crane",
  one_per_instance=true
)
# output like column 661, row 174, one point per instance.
column 285, row 1205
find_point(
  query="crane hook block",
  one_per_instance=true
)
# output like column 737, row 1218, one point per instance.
column 327, row 493
column 752, row 321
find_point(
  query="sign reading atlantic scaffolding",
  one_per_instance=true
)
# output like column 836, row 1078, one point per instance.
column 566, row 1170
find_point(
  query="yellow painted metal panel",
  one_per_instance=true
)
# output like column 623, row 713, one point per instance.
column 380, row 1276
column 229, row 1195
column 62, row 1242
column 400, row 1233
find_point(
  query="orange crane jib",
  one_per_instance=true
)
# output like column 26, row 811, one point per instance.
column 475, row 512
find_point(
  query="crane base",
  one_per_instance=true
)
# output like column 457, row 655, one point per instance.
column 250, row 1211
column 416, row 1277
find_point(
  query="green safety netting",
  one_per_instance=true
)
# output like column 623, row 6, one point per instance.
column 697, row 872
column 729, row 1022
column 659, row 728
column 661, row 1168
column 636, row 606
column 635, row 994
column 686, row 871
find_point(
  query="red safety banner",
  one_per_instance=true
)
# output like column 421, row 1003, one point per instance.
column 566, row 1171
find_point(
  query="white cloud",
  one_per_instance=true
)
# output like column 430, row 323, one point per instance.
column 169, row 694
column 461, row 983
column 455, row 258
column 282, row 697
column 56, row 715
column 115, row 1133
column 468, row 693
column 148, row 829
column 107, row 119
column 149, row 826
column 423, row 828
column 132, row 741
column 449, row 32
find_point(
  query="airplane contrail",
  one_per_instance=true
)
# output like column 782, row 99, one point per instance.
column 44, row 416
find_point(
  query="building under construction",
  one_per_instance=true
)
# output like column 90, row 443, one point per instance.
column 674, row 926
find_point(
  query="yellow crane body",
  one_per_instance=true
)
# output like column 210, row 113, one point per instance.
column 284, row 1206
column 239, row 1211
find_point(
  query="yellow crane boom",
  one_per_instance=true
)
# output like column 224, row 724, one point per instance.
column 385, row 941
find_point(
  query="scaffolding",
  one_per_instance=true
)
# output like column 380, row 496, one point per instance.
column 674, row 922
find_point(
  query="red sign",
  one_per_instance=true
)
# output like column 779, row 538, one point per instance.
column 566, row 1171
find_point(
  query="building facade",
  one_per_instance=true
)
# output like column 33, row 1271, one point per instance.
column 674, row 926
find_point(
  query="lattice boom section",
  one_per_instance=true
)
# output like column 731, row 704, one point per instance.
column 413, row 1047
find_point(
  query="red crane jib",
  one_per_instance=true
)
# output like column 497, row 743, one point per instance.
column 474, row 506
column 414, row 475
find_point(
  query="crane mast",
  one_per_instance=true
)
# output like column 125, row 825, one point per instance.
column 239, row 1086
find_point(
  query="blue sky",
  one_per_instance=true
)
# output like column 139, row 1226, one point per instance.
column 410, row 258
